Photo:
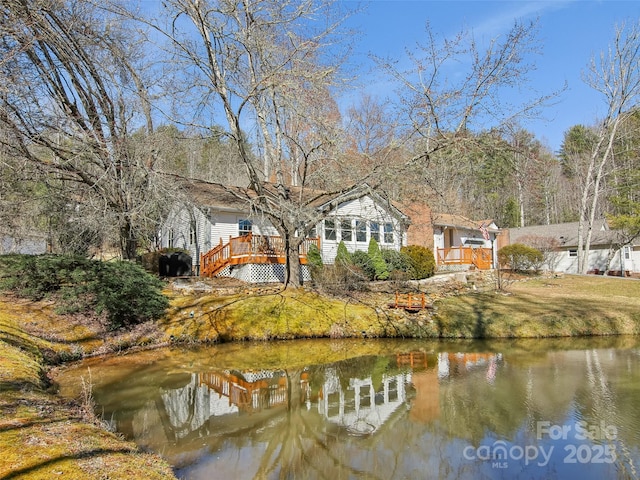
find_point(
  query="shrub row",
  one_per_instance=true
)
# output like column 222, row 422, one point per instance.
column 122, row 291
column 350, row 269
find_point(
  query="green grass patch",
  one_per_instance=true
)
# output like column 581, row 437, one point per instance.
column 285, row 315
column 41, row 436
column 567, row 306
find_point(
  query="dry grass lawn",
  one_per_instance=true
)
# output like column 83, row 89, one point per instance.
column 41, row 436
column 545, row 307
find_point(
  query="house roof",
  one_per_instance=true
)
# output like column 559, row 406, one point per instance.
column 565, row 233
column 225, row 197
column 208, row 194
column 461, row 222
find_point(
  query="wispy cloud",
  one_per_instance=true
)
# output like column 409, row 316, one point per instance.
column 501, row 19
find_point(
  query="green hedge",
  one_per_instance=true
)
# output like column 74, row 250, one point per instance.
column 122, row 291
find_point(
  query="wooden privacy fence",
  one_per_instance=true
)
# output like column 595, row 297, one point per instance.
column 250, row 249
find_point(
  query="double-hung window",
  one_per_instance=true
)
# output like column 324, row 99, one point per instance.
column 361, row 231
column 374, row 227
column 244, row 227
column 329, row 229
column 193, row 234
column 388, row 233
column 346, row 230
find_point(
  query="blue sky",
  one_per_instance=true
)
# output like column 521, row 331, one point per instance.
column 570, row 33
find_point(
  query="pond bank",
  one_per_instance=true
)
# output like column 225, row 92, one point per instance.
column 458, row 306
column 42, row 436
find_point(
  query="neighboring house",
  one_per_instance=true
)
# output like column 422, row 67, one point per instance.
column 456, row 241
column 227, row 235
column 559, row 242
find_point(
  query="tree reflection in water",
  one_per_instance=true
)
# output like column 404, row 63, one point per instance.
column 405, row 415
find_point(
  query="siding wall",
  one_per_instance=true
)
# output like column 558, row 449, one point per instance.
column 211, row 229
column 598, row 259
column 564, row 261
column 364, row 209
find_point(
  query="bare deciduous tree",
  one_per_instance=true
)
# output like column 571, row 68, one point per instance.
column 616, row 75
column 74, row 89
column 270, row 66
column 454, row 86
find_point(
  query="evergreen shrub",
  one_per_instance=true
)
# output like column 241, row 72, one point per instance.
column 381, row 272
column 363, row 262
column 398, row 263
column 122, row 291
column 422, row 261
column 314, row 261
column 343, row 257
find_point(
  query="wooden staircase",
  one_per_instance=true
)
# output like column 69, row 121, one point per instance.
column 214, row 261
column 260, row 249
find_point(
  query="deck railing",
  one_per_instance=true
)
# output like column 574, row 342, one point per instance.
column 480, row 257
column 250, row 249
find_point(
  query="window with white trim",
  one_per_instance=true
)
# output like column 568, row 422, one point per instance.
column 361, row 231
column 193, row 234
column 388, row 233
column 346, row 230
column 244, row 227
column 573, row 252
column 374, row 229
column 330, row 229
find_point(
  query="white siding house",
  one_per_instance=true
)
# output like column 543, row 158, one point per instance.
column 358, row 221
column 214, row 218
column 29, row 245
column 609, row 253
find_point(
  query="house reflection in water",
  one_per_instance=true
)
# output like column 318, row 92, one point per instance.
column 251, row 391
column 360, row 408
column 220, row 393
column 426, row 382
column 359, row 405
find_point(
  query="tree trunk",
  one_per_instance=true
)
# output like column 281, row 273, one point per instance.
column 293, row 274
column 128, row 242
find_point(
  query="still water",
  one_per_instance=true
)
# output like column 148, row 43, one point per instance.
column 367, row 409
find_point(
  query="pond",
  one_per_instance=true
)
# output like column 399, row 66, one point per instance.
column 378, row 409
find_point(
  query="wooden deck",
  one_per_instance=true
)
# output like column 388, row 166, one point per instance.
column 260, row 249
column 481, row 258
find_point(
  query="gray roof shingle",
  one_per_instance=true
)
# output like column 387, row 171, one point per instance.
column 565, row 233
